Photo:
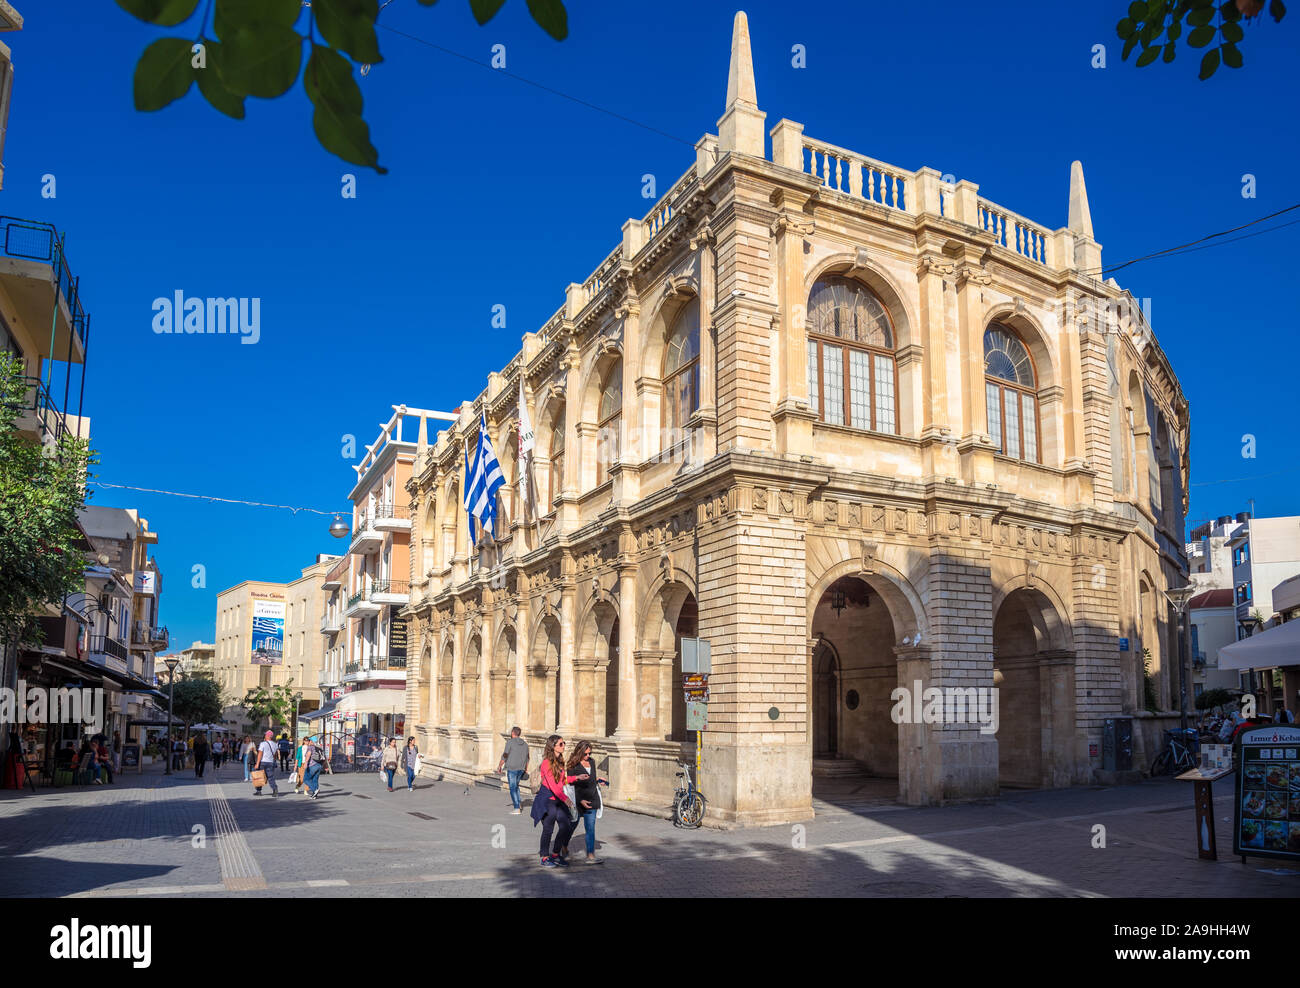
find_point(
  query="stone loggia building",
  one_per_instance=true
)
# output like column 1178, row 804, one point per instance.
column 856, row 426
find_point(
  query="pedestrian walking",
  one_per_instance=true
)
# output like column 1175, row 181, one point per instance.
column 178, row 754
column 514, row 761
column 299, row 768
column 267, row 755
column 247, row 755
column 314, row 761
column 586, row 794
column 200, row 755
column 218, row 752
column 550, row 807
column 286, row 750
column 391, row 760
column 411, row 759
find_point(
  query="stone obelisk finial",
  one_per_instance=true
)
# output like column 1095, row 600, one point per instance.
column 1080, row 214
column 741, row 126
column 1087, row 252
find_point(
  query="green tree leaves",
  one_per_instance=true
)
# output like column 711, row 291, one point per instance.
column 1207, row 23
column 40, row 492
column 349, row 26
column 164, row 13
column 163, row 74
column 198, row 700
column 259, row 53
column 337, row 98
column 261, row 60
column 551, row 17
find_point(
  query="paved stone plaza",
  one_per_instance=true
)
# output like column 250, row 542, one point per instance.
column 137, row 837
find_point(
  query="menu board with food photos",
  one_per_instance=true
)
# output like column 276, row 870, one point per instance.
column 1268, row 793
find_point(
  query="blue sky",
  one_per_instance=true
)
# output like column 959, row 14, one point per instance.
column 499, row 192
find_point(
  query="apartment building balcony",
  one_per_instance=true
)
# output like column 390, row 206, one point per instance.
column 376, row 595
column 367, row 538
column 31, row 261
column 335, row 577
column 331, row 623
column 392, row 518
column 108, row 652
column 144, row 635
column 44, row 419
column 376, row 667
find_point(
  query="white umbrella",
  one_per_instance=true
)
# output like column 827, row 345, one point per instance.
column 1269, row 649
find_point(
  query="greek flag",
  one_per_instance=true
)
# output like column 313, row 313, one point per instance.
column 482, row 481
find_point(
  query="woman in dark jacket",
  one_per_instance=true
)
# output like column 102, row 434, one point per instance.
column 582, row 767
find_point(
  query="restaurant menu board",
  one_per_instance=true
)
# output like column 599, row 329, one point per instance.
column 1268, row 793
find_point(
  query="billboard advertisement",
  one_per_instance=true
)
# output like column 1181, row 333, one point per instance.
column 268, row 632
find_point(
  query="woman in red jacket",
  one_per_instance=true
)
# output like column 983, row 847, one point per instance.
column 555, row 808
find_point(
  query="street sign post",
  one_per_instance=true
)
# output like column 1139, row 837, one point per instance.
column 697, row 663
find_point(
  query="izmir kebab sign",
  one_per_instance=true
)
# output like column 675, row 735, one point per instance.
column 1268, row 793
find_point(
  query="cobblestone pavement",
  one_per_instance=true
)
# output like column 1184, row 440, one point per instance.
column 157, row 835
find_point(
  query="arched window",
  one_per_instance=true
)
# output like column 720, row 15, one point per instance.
column 556, row 481
column 1011, row 394
column 852, row 377
column 682, row 369
column 609, row 422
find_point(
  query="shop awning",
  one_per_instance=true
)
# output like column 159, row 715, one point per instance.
column 1269, row 649
column 324, row 711
column 373, row 702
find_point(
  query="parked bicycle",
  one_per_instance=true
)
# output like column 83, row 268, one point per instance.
column 688, row 802
column 1177, row 755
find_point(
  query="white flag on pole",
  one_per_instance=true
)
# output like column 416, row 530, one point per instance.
column 525, row 449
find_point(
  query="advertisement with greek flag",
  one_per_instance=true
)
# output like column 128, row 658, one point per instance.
column 268, row 632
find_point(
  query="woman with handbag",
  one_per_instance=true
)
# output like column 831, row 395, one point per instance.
column 268, row 753
column 313, row 760
column 391, row 759
column 586, row 795
column 550, row 806
column 411, row 759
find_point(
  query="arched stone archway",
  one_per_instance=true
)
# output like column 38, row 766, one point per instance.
column 445, row 666
column 544, row 676
column 853, row 669
column 1033, row 672
column 469, row 680
column 671, row 614
column 503, row 680
column 596, row 672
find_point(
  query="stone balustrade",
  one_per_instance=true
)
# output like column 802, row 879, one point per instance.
column 856, row 175
column 1013, row 232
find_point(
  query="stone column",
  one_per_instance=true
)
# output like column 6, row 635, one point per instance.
column 487, row 716
column 918, row 753
column 627, row 637
column 457, row 672
column 1056, row 683
column 794, row 415
column 568, row 686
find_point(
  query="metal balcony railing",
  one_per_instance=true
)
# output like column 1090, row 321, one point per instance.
column 376, row 663
column 398, row 587
column 51, row 422
column 107, row 645
column 33, row 240
column 385, row 511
